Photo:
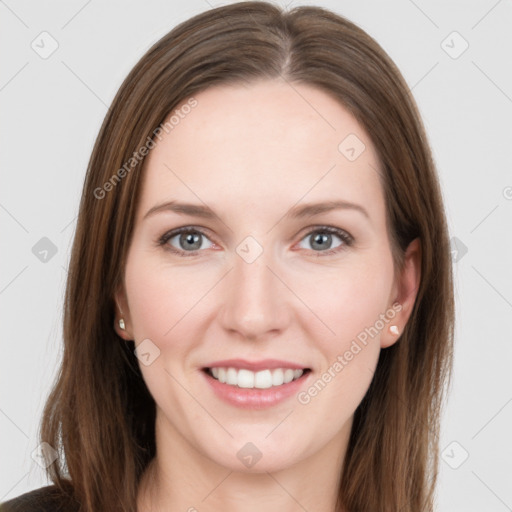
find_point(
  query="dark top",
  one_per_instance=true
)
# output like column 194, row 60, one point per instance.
column 44, row 499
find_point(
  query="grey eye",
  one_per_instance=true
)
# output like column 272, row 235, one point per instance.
column 321, row 240
column 189, row 241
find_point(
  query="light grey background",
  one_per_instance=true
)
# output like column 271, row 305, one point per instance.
column 51, row 111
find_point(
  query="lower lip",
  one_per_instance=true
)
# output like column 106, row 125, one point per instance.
column 252, row 398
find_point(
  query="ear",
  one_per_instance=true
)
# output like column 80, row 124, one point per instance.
column 122, row 311
column 404, row 293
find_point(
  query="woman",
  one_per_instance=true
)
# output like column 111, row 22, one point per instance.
column 259, row 308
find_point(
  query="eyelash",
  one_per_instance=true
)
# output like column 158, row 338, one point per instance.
column 346, row 238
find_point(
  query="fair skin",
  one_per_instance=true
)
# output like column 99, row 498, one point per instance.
column 251, row 153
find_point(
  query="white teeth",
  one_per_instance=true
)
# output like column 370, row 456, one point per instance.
column 245, row 378
column 277, row 377
column 288, row 375
column 261, row 380
column 231, row 376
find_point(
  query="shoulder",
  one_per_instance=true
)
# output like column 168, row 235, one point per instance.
column 45, row 499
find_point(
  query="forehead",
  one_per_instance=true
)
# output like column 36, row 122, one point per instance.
column 260, row 144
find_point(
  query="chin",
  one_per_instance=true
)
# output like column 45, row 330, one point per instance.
column 255, row 454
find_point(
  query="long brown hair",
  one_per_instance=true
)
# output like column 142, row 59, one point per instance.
column 100, row 415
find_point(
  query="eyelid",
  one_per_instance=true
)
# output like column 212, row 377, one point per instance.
column 344, row 236
column 342, row 233
column 162, row 240
column 347, row 239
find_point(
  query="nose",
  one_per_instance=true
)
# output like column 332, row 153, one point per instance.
column 256, row 304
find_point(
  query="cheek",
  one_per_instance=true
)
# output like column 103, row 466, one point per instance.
column 351, row 305
column 160, row 304
column 349, row 300
column 150, row 306
column 160, row 297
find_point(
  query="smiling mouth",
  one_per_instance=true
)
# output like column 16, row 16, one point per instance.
column 263, row 379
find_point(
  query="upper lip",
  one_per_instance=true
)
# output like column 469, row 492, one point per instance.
column 264, row 364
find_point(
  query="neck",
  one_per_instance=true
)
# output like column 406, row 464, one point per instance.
column 183, row 479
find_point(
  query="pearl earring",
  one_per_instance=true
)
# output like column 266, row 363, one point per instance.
column 121, row 323
column 394, row 329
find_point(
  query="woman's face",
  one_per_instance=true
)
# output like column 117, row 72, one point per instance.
column 261, row 281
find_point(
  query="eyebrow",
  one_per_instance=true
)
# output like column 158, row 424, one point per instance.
column 305, row 210
column 311, row 209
